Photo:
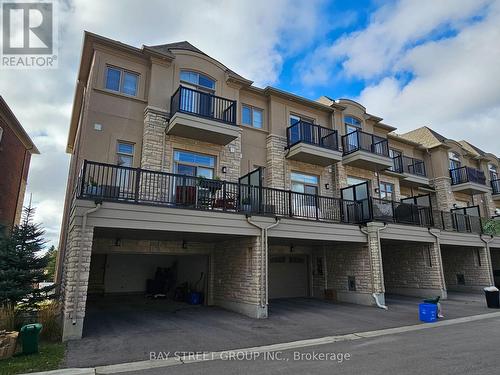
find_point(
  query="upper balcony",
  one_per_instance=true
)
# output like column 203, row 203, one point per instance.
column 205, row 117
column 411, row 170
column 468, row 180
column 495, row 186
column 366, row 151
column 313, row 144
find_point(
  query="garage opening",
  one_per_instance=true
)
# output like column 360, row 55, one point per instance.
column 288, row 276
column 156, row 276
column 495, row 263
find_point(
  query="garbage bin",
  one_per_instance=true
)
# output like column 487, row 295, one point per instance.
column 29, row 337
column 427, row 312
column 492, row 297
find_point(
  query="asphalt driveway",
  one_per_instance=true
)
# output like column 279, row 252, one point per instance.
column 127, row 329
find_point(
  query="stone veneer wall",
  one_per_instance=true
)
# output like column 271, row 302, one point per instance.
column 471, row 262
column 73, row 316
column 238, row 277
column 412, row 269
column 444, row 199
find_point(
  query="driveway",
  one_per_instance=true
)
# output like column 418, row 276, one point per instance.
column 128, row 329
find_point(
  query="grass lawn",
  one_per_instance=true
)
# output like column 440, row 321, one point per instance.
column 49, row 358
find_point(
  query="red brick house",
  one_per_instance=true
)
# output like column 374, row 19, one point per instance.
column 16, row 149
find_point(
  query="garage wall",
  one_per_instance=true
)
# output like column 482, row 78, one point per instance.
column 127, row 273
column 237, row 276
column 470, row 262
column 342, row 262
column 412, row 269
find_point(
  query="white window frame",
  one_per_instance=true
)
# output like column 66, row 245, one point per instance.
column 252, row 110
column 118, row 152
column 197, row 86
column 122, row 78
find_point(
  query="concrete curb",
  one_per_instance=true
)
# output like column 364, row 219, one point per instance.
column 214, row 356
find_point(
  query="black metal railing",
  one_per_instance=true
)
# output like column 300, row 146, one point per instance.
column 402, row 213
column 458, row 222
column 406, row 164
column 312, row 134
column 107, row 182
column 202, row 104
column 495, row 186
column 467, row 174
column 359, row 140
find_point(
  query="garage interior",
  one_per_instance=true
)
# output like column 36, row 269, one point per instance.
column 495, row 263
column 411, row 269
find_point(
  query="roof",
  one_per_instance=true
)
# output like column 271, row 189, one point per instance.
column 472, row 149
column 12, row 121
column 425, row 136
column 186, row 46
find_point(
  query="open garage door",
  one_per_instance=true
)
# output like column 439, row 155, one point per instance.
column 288, row 276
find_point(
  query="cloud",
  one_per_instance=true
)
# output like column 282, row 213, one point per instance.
column 454, row 88
column 252, row 38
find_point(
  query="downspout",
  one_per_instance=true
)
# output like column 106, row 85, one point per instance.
column 375, row 295
column 488, row 256
column 79, row 264
column 264, row 266
column 441, row 268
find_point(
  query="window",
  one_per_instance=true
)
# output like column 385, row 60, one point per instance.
column 386, row 191
column 125, row 154
column 1, row 133
column 394, row 153
column 351, row 124
column 295, row 119
column 193, row 164
column 198, row 81
column 121, row 81
column 492, row 168
column 251, row 116
column 354, row 181
column 304, row 183
column 454, row 159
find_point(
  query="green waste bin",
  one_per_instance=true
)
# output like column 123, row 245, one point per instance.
column 29, row 337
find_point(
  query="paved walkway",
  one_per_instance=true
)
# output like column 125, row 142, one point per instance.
column 126, row 332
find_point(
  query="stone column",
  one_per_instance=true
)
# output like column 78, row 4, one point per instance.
column 276, row 161
column 79, row 245
column 444, row 196
column 375, row 253
column 153, row 141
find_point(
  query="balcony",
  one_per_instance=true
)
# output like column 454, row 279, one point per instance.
column 313, row 144
column 495, row 186
column 201, row 116
column 468, row 180
column 410, row 170
column 367, row 151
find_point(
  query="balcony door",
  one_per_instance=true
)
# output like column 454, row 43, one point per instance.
column 351, row 126
column 198, row 98
column 305, row 187
column 301, row 129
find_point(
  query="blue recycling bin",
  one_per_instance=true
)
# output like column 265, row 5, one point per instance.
column 427, row 312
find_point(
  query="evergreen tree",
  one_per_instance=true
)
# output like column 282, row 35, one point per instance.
column 21, row 265
column 50, row 270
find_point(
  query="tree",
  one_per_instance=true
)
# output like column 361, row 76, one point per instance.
column 50, row 270
column 21, row 265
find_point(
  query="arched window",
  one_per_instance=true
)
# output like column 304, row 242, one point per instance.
column 197, row 81
column 493, row 172
column 454, row 159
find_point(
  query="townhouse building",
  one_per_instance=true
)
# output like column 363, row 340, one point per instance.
column 249, row 194
column 16, row 148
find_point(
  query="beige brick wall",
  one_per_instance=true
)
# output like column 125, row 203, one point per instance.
column 471, row 262
column 408, row 265
column 237, row 271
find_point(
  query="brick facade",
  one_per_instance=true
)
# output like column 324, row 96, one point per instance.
column 413, row 269
column 471, row 263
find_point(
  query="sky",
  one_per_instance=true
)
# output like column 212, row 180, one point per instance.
column 412, row 62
